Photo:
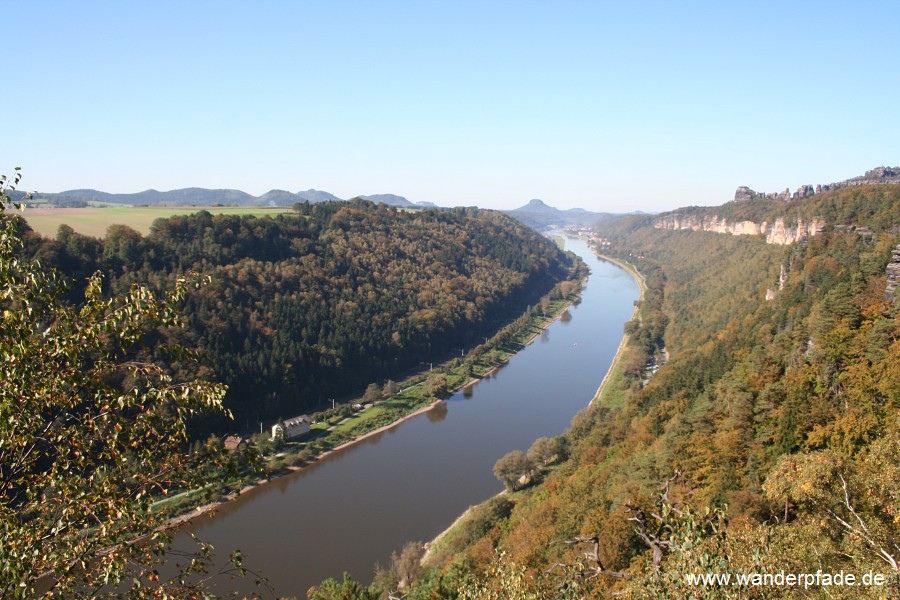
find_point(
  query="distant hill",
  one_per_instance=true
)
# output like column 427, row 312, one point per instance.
column 279, row 198
column 182, row 197
column 312, row 196
column 389, row 199
column 539, row 215
column 208, row 197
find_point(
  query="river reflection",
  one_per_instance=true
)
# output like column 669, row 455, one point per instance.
column 438, row 413
column 356, row 507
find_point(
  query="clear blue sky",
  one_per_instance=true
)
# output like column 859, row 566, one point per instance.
column 603, row 105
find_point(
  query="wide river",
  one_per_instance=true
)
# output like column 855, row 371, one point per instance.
column 357, row 506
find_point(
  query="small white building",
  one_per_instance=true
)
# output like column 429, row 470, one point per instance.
column 292, row 427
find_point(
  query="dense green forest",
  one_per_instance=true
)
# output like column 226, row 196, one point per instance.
column 768, row 443
column 302, row 308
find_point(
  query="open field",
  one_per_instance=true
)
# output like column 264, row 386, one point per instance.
column 94, row 221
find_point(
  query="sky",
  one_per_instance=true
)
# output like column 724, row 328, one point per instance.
column 607, row 106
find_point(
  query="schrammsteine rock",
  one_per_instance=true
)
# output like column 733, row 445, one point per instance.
column 776, row 232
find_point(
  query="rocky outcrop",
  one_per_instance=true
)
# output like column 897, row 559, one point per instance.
column 863, row 232
column 804, row 191
column 772, row 293
column 876, row 176
column 676, row 221
column 893, row 276
column 776, row 232
column 780, row 233
column 744, row 193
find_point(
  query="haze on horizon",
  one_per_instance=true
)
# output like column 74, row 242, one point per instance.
column 583, row 104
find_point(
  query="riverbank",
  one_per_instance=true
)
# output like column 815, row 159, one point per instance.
column 430, row 546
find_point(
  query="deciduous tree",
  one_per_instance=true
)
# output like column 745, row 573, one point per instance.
column 92, row 431
column 511, row 468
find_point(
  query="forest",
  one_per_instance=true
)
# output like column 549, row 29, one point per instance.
column 305, row 307
column 768, row 443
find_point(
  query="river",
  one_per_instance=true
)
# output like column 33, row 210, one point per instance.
column 357, row 506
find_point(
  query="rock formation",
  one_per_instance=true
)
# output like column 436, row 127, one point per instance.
column 776, row 233
column 803, row 191
column 744, row 193
column 779, row 232
column 876, row 176
column 893, row 276
column 771, row 293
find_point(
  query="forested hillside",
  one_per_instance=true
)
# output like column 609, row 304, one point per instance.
column 769, row 442
column 302, row 308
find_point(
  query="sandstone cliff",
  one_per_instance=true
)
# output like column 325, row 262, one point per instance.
column 893, row 276
column 776, row 232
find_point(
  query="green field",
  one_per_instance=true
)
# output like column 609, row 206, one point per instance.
column 95, row 220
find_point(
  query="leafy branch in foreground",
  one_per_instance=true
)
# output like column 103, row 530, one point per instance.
column 91, row 430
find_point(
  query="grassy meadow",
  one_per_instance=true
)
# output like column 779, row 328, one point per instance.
column 94, row 221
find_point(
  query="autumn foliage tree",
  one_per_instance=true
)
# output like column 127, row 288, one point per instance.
column 91, row 431
column 511, row 468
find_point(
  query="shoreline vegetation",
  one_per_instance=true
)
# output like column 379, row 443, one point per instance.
column 432, row 547
column 420, row 393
